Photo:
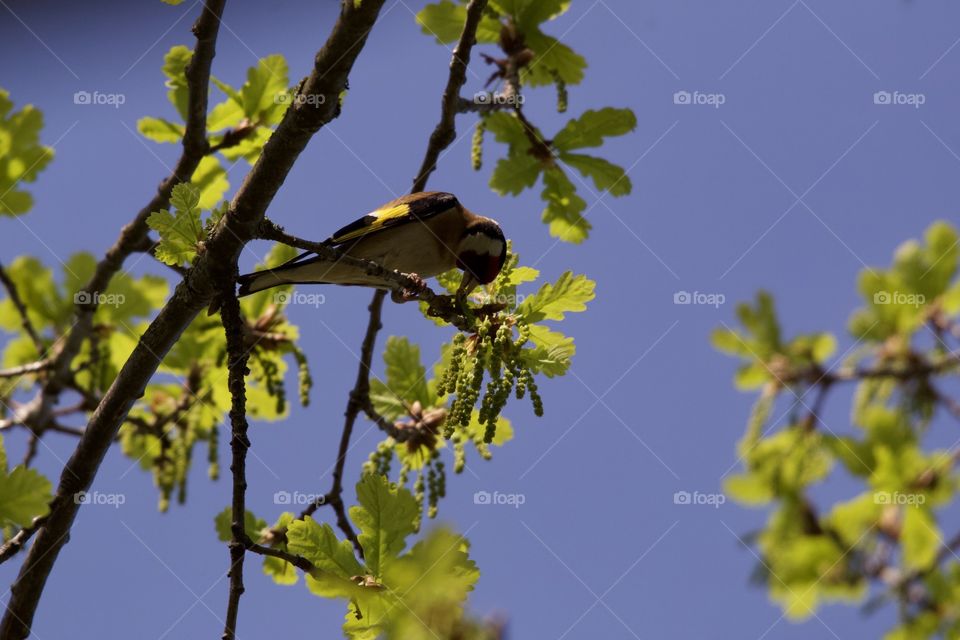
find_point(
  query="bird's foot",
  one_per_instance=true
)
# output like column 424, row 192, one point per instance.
column 407, row 294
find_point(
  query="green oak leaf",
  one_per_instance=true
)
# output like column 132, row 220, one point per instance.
column 333, row 559
column 515, row 172
column 174, row 67
column 551, row 56
column 24, row 494
column 160, row 130
column 405, row 380
column 569, row 293
column 606, row 175
column 593, row 126
column 252, row 525
column 444, row 21
column 212, row 181
column 386, row 515
column 280, row 570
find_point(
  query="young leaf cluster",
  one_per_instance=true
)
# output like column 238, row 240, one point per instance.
column 887, row 538
column 22, row 157
column 535, row 59
column 237, row 127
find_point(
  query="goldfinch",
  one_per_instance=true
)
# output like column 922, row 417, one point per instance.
column 424, row 233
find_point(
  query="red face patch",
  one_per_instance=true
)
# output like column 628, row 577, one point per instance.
column 483, row 267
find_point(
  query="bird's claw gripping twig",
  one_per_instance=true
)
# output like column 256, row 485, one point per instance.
column 406, row 294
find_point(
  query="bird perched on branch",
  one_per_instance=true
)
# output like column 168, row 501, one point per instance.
column 424, row 233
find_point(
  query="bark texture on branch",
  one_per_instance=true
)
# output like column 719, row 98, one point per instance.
column 304, row 118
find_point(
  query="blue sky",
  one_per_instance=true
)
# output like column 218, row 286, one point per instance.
column 795, row 183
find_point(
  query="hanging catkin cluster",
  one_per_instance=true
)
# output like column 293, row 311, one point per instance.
column 494, row 351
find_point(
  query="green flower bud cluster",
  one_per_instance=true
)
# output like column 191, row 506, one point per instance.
column 304, row 379
column 476, row 148
column 272, row 380
column 164, row 474
column 492, row 350
column 213, row 454
column 459, row 453
column 181, row 461
column 418, row 495
column 436, row 486
column 561, row 91
column 380, row 459
column 429, row 487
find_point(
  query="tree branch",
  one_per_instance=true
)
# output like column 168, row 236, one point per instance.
column 17, row 301
column 237, row 356
column 304, row 118
column 360, row 394
column 24, row 369
column 298, row 561
column 445, row 132
column 19, row 539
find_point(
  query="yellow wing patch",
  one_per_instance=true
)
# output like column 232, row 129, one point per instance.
column 373, row 221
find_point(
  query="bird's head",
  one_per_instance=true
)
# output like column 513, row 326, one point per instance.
column 481, row 253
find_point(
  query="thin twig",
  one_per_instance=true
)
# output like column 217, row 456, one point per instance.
column 445, row 132
column 298, row 561
column 361, row 391
column 237, row 357
column 24, row 369
column 19, row 539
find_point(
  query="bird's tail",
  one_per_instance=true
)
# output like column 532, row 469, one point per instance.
column 260, row 280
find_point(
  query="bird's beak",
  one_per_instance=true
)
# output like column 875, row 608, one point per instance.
column 467, row 284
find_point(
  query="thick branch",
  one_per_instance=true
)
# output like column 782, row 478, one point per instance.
column 328, row 78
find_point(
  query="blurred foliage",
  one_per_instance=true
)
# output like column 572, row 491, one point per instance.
column 395, row 592
column 22, row 157
column 24, row 495
column 885, row 542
